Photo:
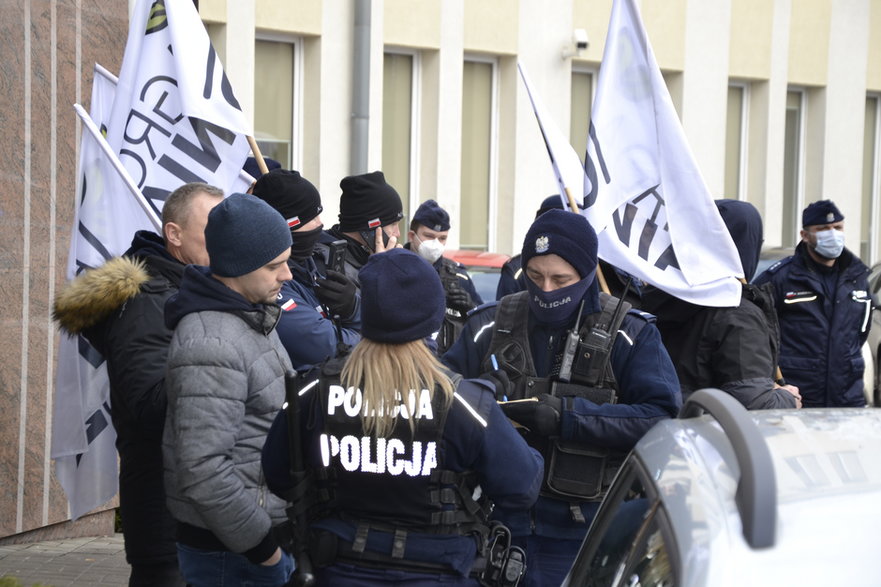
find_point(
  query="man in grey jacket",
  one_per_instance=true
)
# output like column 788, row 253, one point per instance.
column 225, row 383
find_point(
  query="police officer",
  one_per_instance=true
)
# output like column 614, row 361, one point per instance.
column 825, row 310
column 404, row 467
column 584, row 377
column 370, row 213
column 427, row 237
column 310, row 301
column 512, row 278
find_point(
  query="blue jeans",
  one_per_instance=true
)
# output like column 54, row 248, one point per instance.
column 208, row 568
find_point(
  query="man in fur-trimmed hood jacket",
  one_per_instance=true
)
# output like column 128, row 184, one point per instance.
column 119, row 308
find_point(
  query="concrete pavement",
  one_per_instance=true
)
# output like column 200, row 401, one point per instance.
column 61, row 563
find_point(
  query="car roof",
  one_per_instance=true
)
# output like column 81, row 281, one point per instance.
column 473, row 258
column 827, row 469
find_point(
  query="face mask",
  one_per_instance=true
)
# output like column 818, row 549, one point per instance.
column 557, row 307
column 430, row 250
column 304, row 242
column 830, row 243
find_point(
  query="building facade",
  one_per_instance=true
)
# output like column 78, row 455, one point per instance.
column 780, row 101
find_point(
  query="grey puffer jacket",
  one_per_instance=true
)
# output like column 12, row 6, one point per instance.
column 225, row 384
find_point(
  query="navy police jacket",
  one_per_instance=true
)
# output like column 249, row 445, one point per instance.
column 476, row 437
column 825, row 315
column 648, row 391
column 306, row 333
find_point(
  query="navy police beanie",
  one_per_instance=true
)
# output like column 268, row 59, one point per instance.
column 430, row 215
column 291, row 194
column 251, row 168
column 402, row 298
column 569, row 235
column 368, row 202
column 821, row 212
column 243, row 234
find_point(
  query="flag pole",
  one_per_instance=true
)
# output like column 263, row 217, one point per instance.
column 261, row 164
column 604, row 286
column 90, row 126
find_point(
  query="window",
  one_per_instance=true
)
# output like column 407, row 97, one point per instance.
column 630, row 542
column 398, row 99
column 792, row 166
column 274, row 104
column 735, row 139
column 871, row 180
column 478, row 153
column 580, row 108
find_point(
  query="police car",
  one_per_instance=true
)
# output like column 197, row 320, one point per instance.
column 730, row 497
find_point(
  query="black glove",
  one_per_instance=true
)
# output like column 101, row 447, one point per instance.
column 541, row 417
column 337, row 292
column 459, row 300
column 503, row 384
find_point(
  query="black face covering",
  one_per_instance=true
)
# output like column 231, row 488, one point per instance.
column 304, row 242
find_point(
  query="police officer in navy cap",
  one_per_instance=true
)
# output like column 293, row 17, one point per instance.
column 825, row 311
column 403, row 468
column 320, row 311
column 370, row 213
column 427, row 237
column 595, row 376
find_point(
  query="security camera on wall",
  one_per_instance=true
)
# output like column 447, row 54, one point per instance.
column 579, row 44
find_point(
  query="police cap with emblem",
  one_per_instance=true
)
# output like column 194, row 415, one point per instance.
column 402, row 298
column 566, row 234
column 821, row 212
column 430, row 215
column 291, row 194
column 368, row 202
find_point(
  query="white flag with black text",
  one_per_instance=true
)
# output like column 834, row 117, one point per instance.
column 175, row 118
column 644, row 193
column 106, row 217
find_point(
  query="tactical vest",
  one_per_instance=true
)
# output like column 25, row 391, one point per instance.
column 428, row 498
column 572, row 469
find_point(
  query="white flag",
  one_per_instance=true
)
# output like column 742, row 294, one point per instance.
column 83, row 439
column 567, row 168
column 644, row 193
column 175, row 118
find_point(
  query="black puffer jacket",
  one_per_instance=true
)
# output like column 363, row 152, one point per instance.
column 119, row 308
column 734, row 349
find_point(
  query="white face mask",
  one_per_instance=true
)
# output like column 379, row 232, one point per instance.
column 830, row 243
column 430, row 250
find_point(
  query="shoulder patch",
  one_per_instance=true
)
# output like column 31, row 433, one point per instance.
column 781, row 263
column 642, row 314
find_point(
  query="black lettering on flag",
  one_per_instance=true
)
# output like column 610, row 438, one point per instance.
column 145, row 133
column 158, row 194
column 95, row 425
column 94, row 241
column 88, row 352
column 225, row 86
column 590, row 197
column 624, row 227
column 667, row 259
column 163, row 95
column 178, row 170
column 207, row 155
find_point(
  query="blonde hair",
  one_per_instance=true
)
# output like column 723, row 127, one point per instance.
column 387, row 374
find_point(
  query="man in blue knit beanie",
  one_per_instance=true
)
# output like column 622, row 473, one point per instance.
column 225, row 382
column 596, row 375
